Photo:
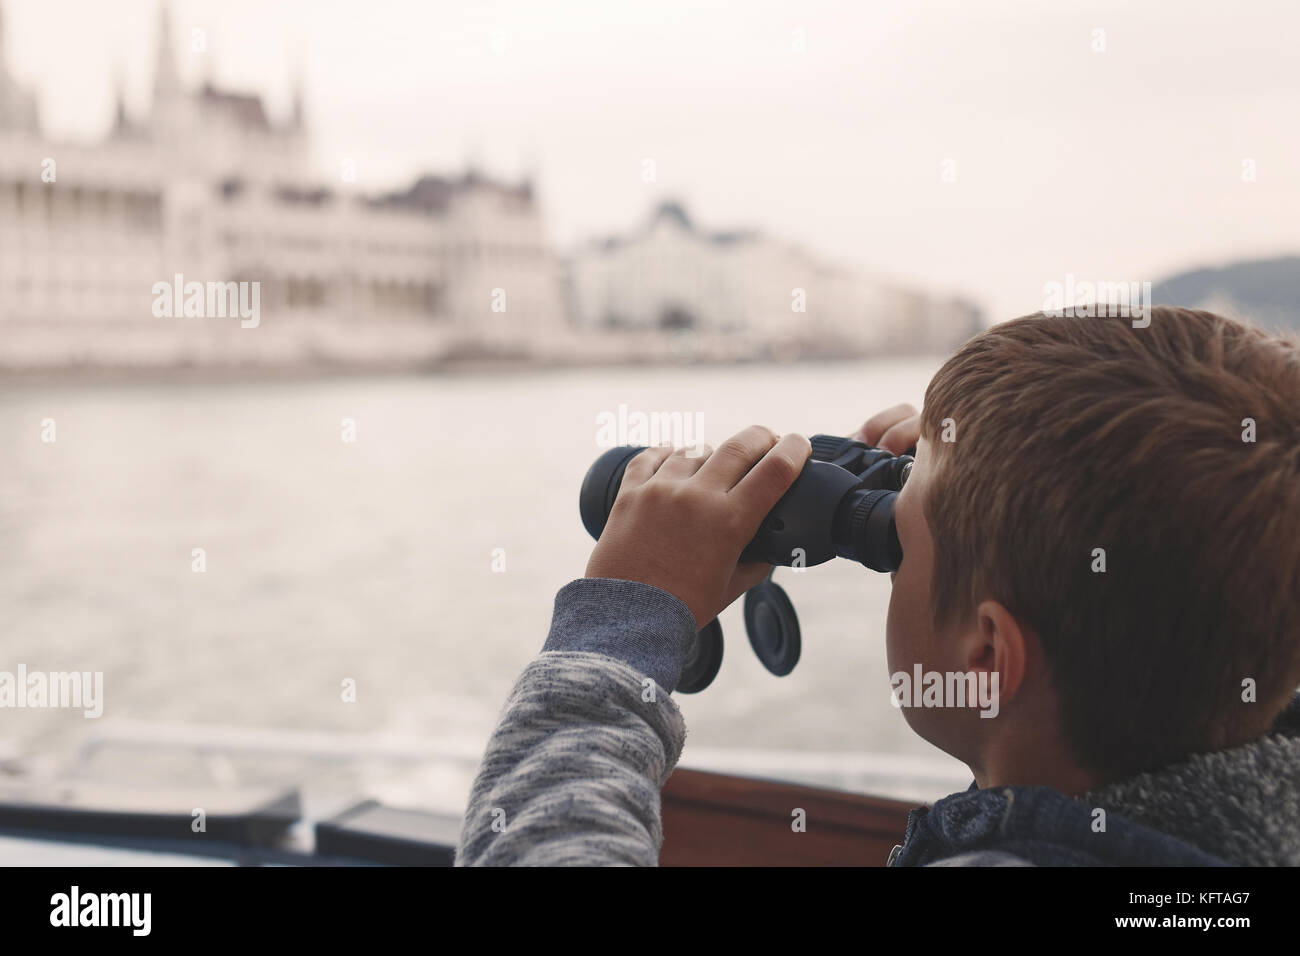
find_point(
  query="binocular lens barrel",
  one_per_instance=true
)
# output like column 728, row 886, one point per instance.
column 841, row 505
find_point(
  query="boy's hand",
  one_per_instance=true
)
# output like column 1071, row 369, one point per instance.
column 895, row 429
column 681, row 519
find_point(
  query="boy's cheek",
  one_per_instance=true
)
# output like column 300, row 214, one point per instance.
column 895, row 640
column 907, row 624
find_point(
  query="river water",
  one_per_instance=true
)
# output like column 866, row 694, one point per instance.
column 379, row 560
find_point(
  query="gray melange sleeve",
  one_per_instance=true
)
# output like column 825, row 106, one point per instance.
column 588, row 737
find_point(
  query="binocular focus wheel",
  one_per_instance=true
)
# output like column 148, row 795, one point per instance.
column 773, row 627
column 703, row 659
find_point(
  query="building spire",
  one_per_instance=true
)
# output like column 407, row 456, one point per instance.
column 121, row 119
column 166, row 81
column 299, row 120
column 119, row 91
column 17, row 106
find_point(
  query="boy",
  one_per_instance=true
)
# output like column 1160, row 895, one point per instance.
column 1103, row 521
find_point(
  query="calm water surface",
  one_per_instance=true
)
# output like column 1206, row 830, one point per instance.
column 372, row 560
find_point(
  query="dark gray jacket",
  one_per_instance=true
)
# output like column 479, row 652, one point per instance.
column 589, row 735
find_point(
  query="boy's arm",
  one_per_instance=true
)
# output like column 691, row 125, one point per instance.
column 588, row 736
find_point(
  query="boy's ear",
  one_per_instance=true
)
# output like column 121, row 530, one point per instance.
column 1001, row 645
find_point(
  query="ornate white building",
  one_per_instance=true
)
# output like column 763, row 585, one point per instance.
column 211, row 188
column 743, row 295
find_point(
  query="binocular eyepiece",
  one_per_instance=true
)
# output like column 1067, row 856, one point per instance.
column 841, row 505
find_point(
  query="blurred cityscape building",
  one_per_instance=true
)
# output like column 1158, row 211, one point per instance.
column 209, row 189
column 747, row 296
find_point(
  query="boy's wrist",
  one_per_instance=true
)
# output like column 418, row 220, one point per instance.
column 641, row 625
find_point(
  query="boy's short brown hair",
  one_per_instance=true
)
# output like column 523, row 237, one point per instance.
column 1172, row 454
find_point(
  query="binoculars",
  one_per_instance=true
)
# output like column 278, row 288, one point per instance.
column 841, row 505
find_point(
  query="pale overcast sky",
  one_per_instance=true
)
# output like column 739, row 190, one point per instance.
column 1122, row 164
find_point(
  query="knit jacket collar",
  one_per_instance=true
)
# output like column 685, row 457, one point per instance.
column 1239, row 806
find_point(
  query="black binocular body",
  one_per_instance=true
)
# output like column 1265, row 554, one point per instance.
column 841, row 505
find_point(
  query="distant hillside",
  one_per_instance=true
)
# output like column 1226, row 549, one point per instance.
column 1266, row 291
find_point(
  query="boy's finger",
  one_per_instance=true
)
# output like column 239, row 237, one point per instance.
column 684, row 462
column 899, row 438
column 736, row 456
column 875, row 427
column 643, row 466
column 760, row 490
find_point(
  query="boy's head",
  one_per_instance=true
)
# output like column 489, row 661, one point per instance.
column 1109, row 517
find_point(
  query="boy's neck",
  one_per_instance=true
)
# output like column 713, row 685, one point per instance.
column 1035, row 770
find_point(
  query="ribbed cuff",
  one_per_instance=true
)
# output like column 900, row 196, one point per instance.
column 639, row 624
